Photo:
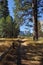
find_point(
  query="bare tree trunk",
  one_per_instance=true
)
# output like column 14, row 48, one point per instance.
column 35, row 37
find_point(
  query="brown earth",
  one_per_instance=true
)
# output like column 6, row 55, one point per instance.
column 31, row 53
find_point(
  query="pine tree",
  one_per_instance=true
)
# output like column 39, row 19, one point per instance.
column 5, row 18
column 26, row 8
column 35, row 19
column 36, row 4
column 1, row 9
column 21, row 11
column 4, row 8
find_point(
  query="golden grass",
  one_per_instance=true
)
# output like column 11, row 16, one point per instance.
column 26, row 38
column 8, row 41
column 3, row 48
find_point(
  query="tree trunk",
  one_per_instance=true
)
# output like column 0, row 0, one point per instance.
column 35, row 37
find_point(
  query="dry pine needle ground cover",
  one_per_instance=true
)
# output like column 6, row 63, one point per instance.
column 31, row 53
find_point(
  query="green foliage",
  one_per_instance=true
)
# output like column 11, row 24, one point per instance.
column 3, row 14
column 16, row 10
column 16, row 29
column 6, row 27
column 4, row 8
column 1, row 27
column 21, row 11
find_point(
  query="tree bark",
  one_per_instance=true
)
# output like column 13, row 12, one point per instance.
column 35, row 12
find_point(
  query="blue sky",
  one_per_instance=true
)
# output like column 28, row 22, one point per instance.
column 11, row 6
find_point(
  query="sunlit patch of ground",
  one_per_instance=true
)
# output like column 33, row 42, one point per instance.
column 32, row 49
column 31, row 55
column 5, row 45
column 7, row 42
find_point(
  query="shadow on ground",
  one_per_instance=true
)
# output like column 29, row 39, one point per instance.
column 32, row 54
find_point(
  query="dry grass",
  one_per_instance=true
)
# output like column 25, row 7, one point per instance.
column 3, row 48
column 31, row 48
column 7, row 42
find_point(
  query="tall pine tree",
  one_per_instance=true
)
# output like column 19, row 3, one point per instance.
column 37, row 9
column 5, row 20
column 4, row 8
column 24, row 10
